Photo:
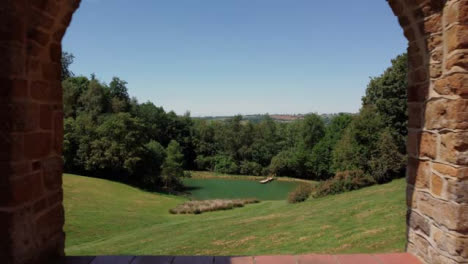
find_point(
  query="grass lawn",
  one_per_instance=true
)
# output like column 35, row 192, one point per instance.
column 104, row 217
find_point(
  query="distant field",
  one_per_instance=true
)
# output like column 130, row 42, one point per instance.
column 223, row 188
column 104, row 217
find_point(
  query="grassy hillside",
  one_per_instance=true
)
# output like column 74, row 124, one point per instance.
column 104, row 217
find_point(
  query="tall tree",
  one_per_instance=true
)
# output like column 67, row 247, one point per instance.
column 95, row 99
column 73, row 88
column 118, row 147
column 67, row 60
column 172, row 168
column 388, row 93
column 321, row 159
column 312, row 130
column 120, row 100
column 386, row 162
column 354, row 150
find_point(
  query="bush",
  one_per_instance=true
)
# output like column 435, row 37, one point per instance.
column 172, row 171
column 225, row 165
column 198, row 207
column 153, row 158
column 205, row 163
column 281, row 164
column 342, row 182
column 300, row 194
column 250, row 168
column 387, row 162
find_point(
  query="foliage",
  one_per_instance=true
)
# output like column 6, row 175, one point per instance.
column 342, row 182
column 120, row 101
column 73, row 88
column 154, row 157
column 225, row 164
column 355, row 148
column 172, row 170
column 300, row 194
column 284, row 163
column 66, row 60
column 387, row 162
column 108, row 134
column 94, row 100
column 205, row 163
column 250, row 168
column 312, row 130
column 387, row 93
column 321, row 158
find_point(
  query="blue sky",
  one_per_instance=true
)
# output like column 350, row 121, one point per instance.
column 223, row 57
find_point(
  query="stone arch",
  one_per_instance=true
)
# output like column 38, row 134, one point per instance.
column 31, row 128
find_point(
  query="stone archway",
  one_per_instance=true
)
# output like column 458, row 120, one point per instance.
column 31, row 128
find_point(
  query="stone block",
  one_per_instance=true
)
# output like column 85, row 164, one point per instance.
column 444, row 113
column 454, row 148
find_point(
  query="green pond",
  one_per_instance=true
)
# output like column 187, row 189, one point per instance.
column 204, row 189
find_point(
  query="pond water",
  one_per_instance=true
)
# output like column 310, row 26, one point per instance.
column 203, row 189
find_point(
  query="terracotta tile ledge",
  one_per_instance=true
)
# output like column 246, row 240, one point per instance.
column 397, row 258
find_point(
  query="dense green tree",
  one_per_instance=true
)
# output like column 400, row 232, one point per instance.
column 118, row 146
column 180, row 128
column 67, row 60
column 265, row 143
column 155, row 121
column 387, row 93
column 153, row 159
column 73, row 88
column 250, row 168
column 354, row 150
column 94, row 100
column 172, row 168
column 204, row 134
column 321, row 157
column 80, row 131
column 387, row 162
column 294, row 162
column 225, row 164
column 108, row 134
column 120, row 100
column 312, row 130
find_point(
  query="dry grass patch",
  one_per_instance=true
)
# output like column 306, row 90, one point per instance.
column 198, row 207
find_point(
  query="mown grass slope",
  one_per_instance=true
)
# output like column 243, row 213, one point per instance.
column 104, row 217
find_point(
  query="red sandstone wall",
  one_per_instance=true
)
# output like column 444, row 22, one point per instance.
column 438, row 121
column 31, row 211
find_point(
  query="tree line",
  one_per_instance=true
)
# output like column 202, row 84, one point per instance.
column 109, row 134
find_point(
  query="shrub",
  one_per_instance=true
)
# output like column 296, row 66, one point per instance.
column 153, row 158
column 342, row 182
column 205, row 163
column 300, row 194
column 250, row 168
column 226, row 165
column 387, row 162
column 198, row 207
column 282, row 164
column 172, row 169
